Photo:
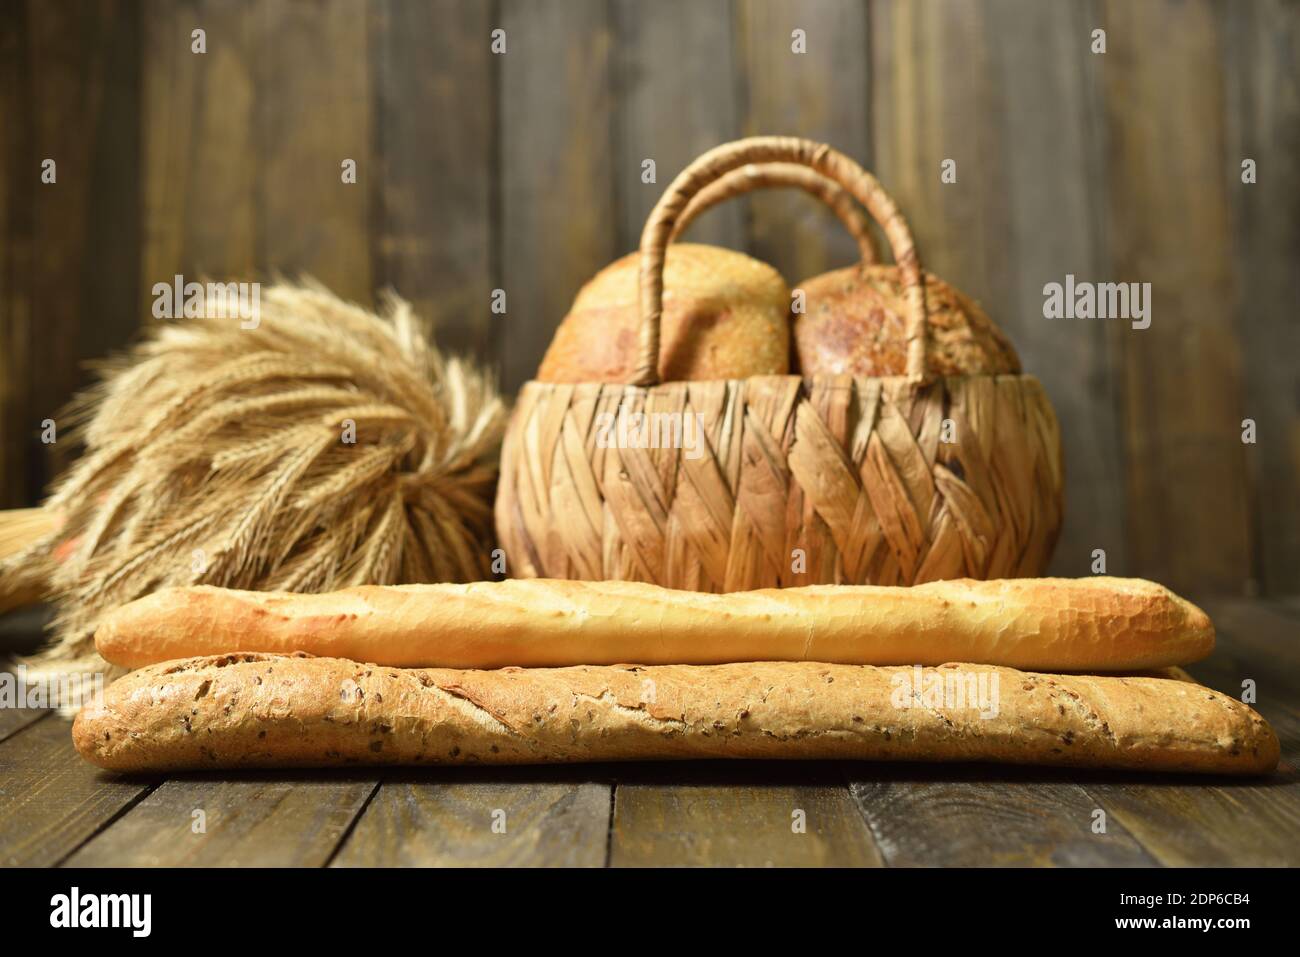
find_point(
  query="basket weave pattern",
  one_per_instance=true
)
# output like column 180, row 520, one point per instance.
column 852, row 472
column 832, row 479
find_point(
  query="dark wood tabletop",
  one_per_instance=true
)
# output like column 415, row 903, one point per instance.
column 57, row 810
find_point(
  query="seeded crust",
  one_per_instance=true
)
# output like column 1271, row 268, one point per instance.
column 254, row 710
column 725, row 316
column 854, row 323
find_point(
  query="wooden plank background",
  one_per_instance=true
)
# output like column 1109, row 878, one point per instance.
column 522, row 171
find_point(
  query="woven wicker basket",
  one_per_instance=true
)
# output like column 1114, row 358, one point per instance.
column 800, row 481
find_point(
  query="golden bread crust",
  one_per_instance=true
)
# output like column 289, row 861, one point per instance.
column 1041, row 624
column 725, row 316
column 854, row 323
column 238, row 711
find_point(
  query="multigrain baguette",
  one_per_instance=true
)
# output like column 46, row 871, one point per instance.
column 1045, row 624
column 253, row 710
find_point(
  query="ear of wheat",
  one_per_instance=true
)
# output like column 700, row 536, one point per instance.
column 220, row 455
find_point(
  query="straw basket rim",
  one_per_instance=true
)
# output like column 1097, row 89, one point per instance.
column 852, row 471
column 846, row 378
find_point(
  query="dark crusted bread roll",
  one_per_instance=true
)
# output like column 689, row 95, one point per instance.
column 854, row 323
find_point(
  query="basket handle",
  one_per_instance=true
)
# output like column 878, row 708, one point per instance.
column 721, row 160
column 767, row 175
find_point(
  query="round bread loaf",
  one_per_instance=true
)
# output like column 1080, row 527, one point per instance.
column 725, row 316
column 855, row 323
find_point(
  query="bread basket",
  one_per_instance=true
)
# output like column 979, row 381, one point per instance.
column 790, row 481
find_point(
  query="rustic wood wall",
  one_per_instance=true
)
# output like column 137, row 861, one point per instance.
column 522, row 171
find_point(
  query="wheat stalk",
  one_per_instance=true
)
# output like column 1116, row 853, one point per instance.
column 215, row 455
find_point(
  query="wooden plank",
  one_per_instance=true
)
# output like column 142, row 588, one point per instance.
column 734, row 814
column 13, row 720
column 1171, row 227
column 934, row 92
column 200, row 164
column 675, row 68
column 313, row 109
column 512, row 817
column 51, row 801
column 1261, row 54
column 71, row 246
column 110, row 265
column 824, row 94
column 963, row 816
column 96, row 224
column 19, row 175
column 960, row 816
column 280, row 820
column 1008, row 90
column 559, row 224
column 1206, row 821
column 1269, row 640
column 435, row 123
column 1055, row 196
column 1192, row 823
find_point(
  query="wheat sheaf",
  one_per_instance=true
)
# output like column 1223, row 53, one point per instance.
column 217, row 454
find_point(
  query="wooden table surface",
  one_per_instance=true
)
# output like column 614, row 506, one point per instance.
column 57, row 810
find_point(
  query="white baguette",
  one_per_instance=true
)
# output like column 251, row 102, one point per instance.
column 251, row 710
column 1044, row 624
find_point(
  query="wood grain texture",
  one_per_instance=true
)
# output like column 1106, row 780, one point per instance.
column 431, row 224
column 72, row 91
column 313, row 111
column 522, row 171
column 1266, row 637
column 1208, row 825
column 707, row 815
column 1034, row 817
column 1262, row 79
column 1206, row 822
column 518, row 817
column 200, row 158
column 1008, row 91
column 50, row 799
column 559, row 223
column 823, row 94
column 1188, row 517
column 13, row 720
column 18, row 176
column 677, row 96
column 265, row 821
column 965, row 817
column 934, row 94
